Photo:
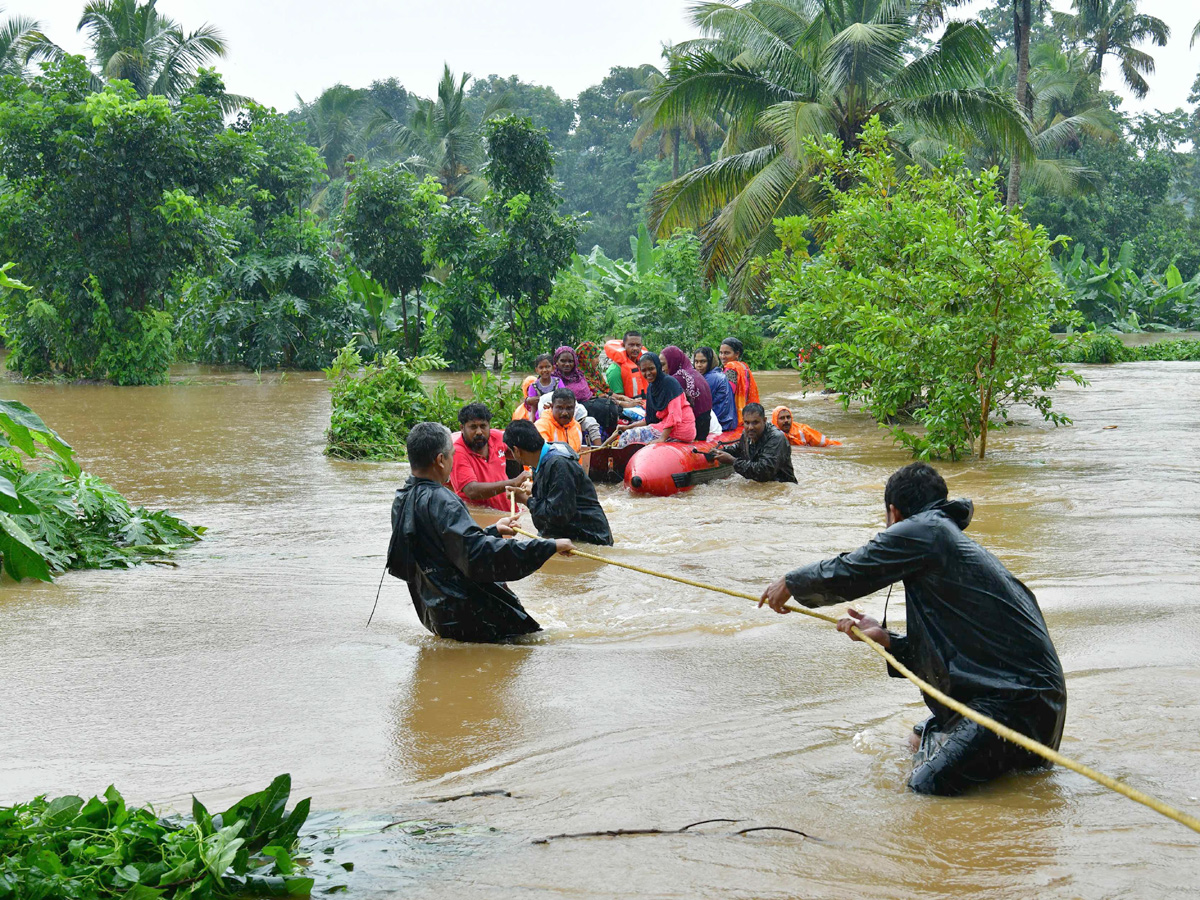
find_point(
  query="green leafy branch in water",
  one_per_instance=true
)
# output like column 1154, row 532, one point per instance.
column 101, row 848
column 57, row 517
column 376, row 404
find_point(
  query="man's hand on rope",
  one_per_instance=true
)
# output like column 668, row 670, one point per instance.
column 776, row 595
column 868, row 626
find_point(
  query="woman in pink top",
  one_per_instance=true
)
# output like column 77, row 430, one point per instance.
column 669, row 416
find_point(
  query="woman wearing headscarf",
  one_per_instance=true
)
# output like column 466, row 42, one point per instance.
column 741, row 379
column 669, row 416
column 602, row 411
column 723, row 403
column 587, row 358
column 695, row 388
column 797, row 433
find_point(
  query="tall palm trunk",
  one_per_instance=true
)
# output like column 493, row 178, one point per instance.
column 1022, row 20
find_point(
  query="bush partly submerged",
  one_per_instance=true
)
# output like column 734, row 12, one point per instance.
column 1099, row 347
column 375, row 404
column 55, row 517
column 103, row 848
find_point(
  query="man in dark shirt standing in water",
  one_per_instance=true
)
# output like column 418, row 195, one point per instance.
column 974, row 631
column 456, row 570
column 763, row 453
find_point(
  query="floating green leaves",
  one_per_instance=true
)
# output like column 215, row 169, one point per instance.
column 101, row 849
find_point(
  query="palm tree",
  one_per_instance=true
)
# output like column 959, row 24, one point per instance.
column 704, row 132
column 787, row 71
column 1113, row 27
column 19, row 38
column 130, row 40
column 335, row 124
column 1066, row 105
column 1195, row 36
column 440, row 139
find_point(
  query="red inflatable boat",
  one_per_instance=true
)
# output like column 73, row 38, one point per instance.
column 666, row 469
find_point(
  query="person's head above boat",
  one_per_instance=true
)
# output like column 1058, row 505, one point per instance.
column 705, row 360
column 562, row 406
column 731, row 350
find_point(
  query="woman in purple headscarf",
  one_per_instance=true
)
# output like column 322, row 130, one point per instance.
column 695, row 388
column 601, row 410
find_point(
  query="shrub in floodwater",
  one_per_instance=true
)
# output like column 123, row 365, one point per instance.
column 102, row 848
column 931, row 302
column 1096, row 347
column 57, row 517
column 375, row 404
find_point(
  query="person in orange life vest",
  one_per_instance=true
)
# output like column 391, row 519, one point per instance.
column 623, row 375
column 526, row 409
column 558, row 425
column 478, row 475
column 669, row 416
column 741, row 379
column 797, row 433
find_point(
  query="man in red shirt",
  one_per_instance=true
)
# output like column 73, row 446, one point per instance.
column 478, row 475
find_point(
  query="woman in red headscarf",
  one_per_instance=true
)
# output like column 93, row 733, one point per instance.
column 695, row 388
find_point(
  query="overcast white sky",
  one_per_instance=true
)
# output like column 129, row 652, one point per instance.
column 278, row 49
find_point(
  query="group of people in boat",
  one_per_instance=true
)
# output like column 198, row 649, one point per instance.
column 642, row 397
column 974, row 630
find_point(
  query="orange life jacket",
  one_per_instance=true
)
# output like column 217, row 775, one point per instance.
column 633, row 382
column 801, row 435
column 522, row 411
column 554, row 433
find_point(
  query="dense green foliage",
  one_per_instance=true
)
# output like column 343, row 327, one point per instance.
column 75, row 850
column 531, row 240
column 375, row 405
column 930, row 303
column 55, row 517
column 781, row 72
column 276, row 299
column 659, row 291
column 1111, row 294
column 99, row 239
column 1098, row 347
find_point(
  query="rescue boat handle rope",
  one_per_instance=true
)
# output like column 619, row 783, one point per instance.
column 962, row 709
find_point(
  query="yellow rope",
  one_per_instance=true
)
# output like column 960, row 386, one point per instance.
column 946, row 700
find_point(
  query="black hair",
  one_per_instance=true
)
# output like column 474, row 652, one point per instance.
column 630, row 334
column 425, row 442
column 709, row 357
column 472, row 412
column 735, row 345
column 562, row 394
column 543, row 356
column 523, row 435
column 752, row 408
column 914, row 487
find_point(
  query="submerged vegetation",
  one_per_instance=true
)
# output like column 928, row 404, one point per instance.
column 377, row 403
column 55, row 517
column 103, row 848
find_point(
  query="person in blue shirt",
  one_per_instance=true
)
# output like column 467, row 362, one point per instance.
column 562, row 500
column 723, row 404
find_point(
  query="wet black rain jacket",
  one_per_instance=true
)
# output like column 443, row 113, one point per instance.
column 974, row 630
column 563, row 501
column 768, row 459
column 455, row 569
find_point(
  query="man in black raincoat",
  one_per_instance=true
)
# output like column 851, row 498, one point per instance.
column 455, row 570
column 974, row 631
column 562, row 500
column 763, row 453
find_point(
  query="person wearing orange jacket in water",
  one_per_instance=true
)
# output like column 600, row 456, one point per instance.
column 797, row 433
column 623, row 375
column 741, row 379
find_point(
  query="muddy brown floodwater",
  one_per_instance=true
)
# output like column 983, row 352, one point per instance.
column 644, row 703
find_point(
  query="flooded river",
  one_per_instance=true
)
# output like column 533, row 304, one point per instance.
column 644, row 703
